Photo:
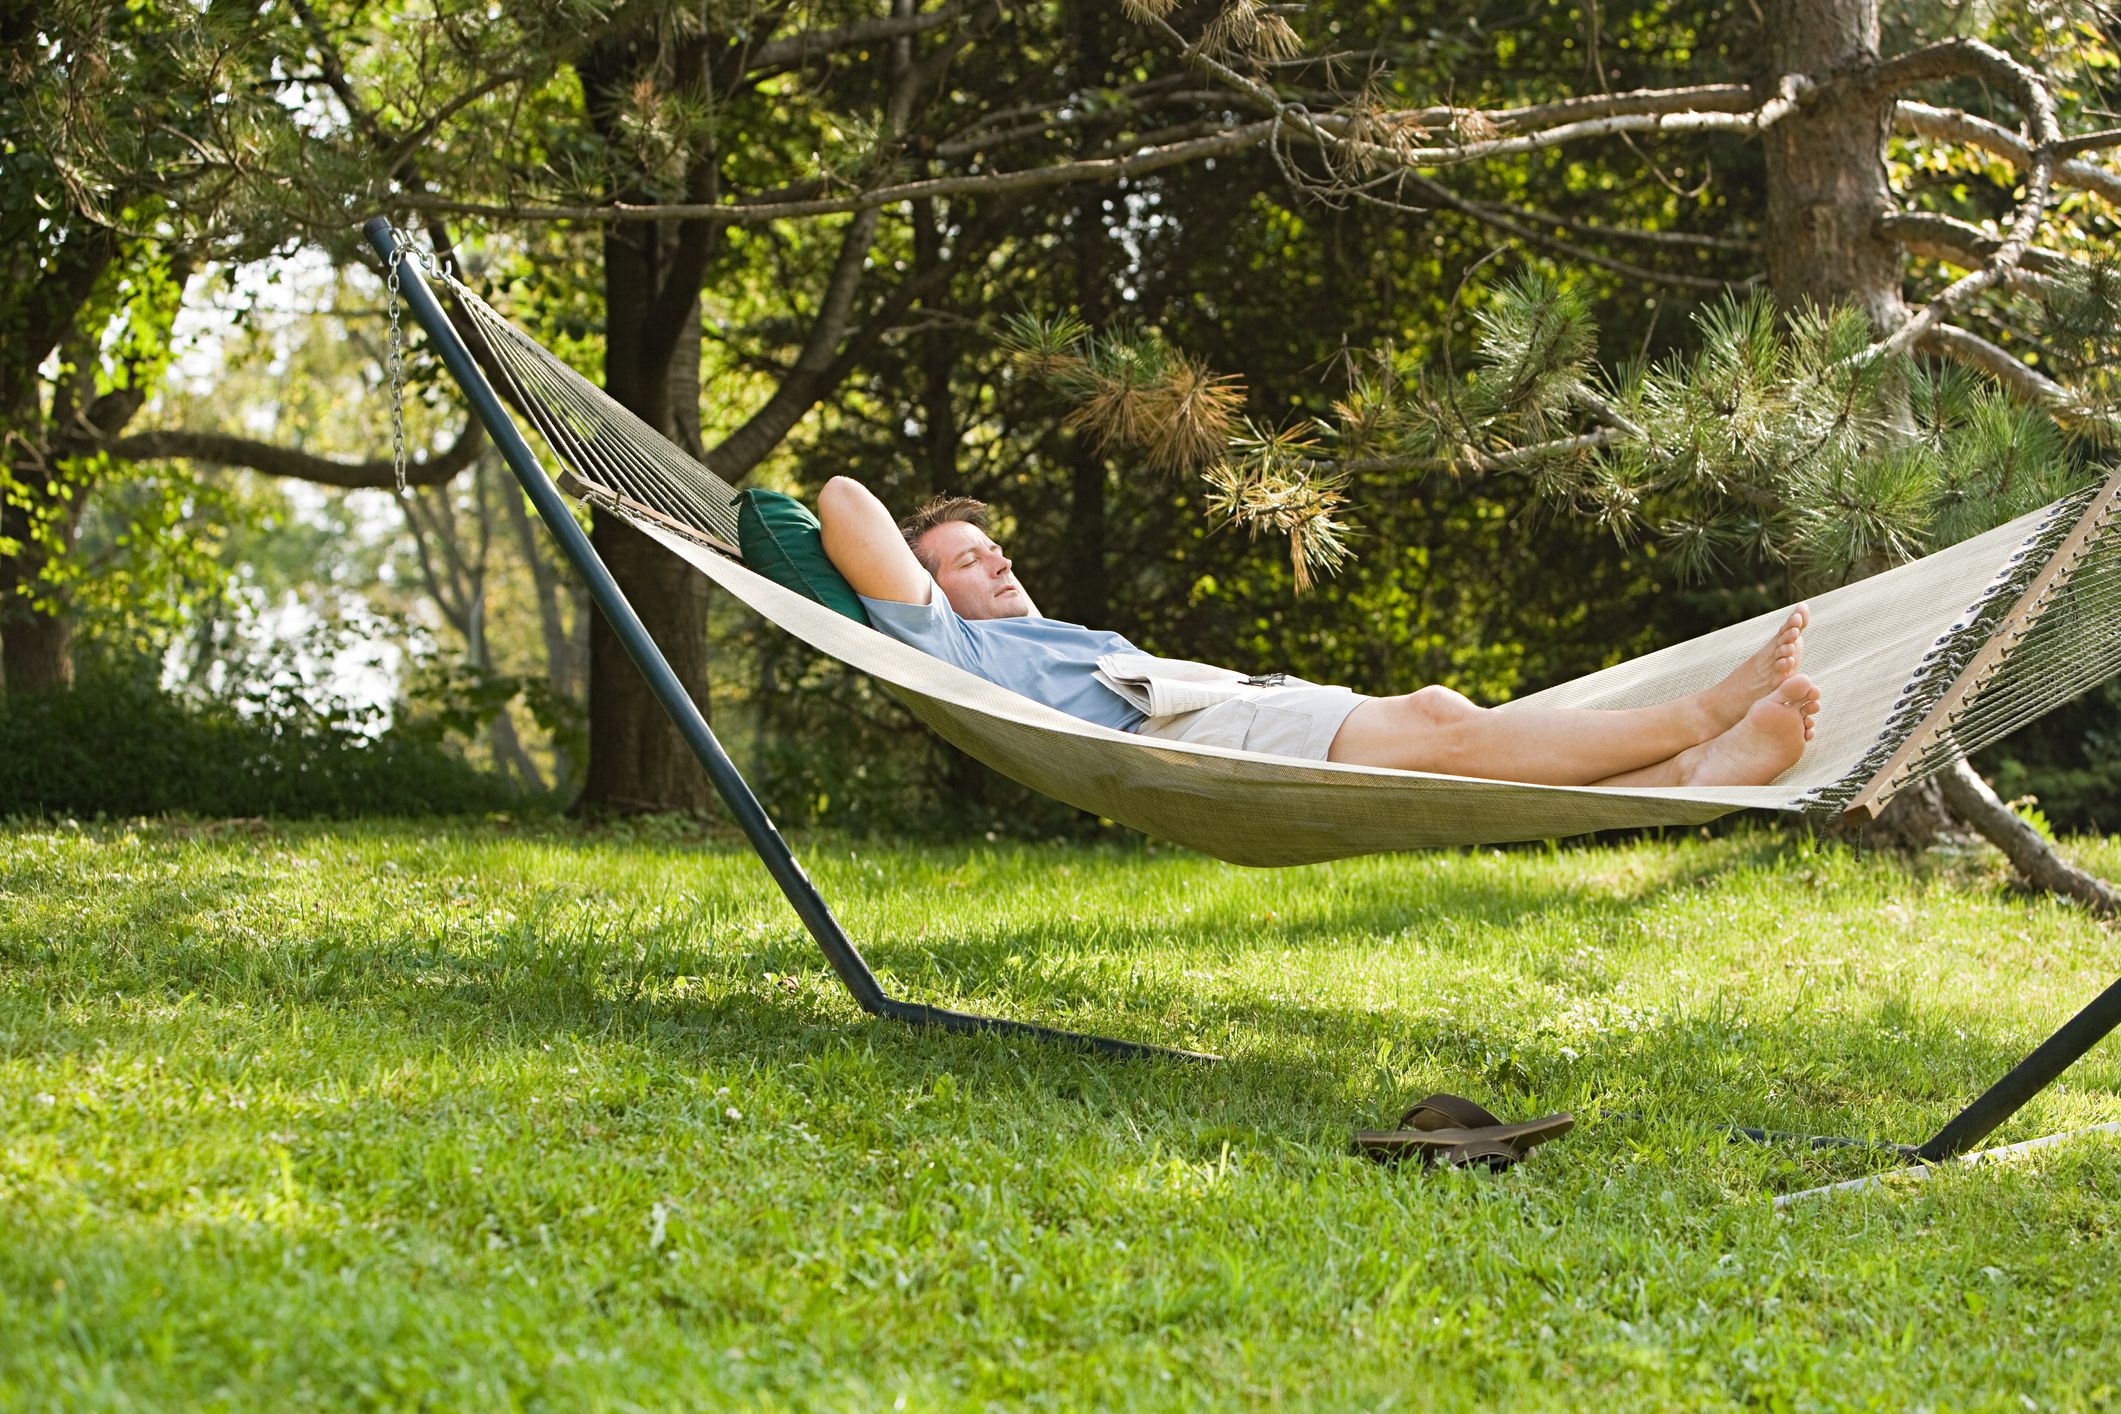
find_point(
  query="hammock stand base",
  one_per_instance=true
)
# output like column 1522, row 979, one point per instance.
column 2040, row 1069
column 1973, row 1124
column 1918, row 1172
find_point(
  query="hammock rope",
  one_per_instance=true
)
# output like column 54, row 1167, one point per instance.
column 1920, row 666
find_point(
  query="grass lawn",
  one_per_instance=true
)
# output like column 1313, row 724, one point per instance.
column 480, row 1116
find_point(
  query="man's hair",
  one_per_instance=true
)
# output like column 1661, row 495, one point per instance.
column 940, row 511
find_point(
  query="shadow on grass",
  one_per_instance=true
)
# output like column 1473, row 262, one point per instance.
column 703, row 989
column 1893, row 1070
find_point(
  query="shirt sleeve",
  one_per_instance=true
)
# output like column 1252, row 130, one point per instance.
column 933, row 627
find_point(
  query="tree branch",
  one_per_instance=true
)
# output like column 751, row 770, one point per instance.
column 1473, row 459
column 1712, row 97
column 274, row 460
column 1962, row 243
column 1953, row 125
column 1030, row 120
column 797, row 49
column 2034, row 859
column 760, row 211
column 1505, row 219
column 2022, row 381
column 806, row 382
column 1971, row 57
column 449, row 598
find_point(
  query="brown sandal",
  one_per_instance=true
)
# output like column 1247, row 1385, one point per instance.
column 1494, row 1155
column 1459, row 1131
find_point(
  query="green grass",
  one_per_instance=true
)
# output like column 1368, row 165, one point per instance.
column 474, row 1117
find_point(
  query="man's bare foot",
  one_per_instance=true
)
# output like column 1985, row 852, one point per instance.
column 1763, row 744
column 1726, row 704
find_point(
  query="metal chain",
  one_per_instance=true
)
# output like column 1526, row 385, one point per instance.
column 396, row 365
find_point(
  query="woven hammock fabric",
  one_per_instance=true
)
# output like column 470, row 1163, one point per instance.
column 1247, row 809
column 1888, row 653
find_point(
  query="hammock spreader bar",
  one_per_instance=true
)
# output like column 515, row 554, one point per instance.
column 1965, row 1130
column 802, row 895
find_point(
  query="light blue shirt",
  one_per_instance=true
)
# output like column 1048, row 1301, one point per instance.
column 1043, row 659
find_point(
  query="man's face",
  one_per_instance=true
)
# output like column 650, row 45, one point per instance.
column 974, row 573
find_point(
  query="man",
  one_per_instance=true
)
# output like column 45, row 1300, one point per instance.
column 941, row 584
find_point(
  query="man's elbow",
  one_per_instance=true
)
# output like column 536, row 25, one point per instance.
column 841, row 493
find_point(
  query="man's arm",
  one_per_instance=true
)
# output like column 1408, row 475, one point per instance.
column 864, row 544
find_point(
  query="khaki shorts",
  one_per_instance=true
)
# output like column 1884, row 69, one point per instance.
column 1296, row 719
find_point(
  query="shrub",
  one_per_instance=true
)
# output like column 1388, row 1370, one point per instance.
column 115, row 744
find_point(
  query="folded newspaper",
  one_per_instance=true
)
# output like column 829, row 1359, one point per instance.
column 1164, row 687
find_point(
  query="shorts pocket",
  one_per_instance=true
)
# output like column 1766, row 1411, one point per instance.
column 1278, row 731
column 1226, row 724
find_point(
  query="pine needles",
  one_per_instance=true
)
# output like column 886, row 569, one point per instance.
column 1781, row 438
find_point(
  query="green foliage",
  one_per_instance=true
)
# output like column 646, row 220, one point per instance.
column 1788, row 440
column 2069, row 763
column 114, row 744
column 458, row 699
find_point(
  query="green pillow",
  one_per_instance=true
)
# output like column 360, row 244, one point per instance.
column 782, row 541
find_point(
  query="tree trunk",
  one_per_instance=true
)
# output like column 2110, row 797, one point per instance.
column 1826, row 190
column 637, row 761
column 36, row 649
column 1826, row 181
column 938, row 361
column 1087, row 591
column 36, row 645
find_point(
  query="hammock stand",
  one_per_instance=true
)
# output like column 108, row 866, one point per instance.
column 1957, row 1137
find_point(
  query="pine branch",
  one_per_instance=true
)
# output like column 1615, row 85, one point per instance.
column 2025, row 383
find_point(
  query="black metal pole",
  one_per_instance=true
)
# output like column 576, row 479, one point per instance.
column 736, row 793
column 2027, row 1079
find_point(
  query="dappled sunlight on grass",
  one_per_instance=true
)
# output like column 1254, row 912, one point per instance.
column 479, row 1115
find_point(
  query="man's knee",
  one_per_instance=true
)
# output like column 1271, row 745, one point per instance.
column 1435, row 706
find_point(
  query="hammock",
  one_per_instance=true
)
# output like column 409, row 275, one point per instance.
column 1919, row 667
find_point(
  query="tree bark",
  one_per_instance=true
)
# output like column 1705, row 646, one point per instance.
column 1088, row 591
column 36, row 650
column 941, row 433
column 1826, row 180
column 1828, row 244
column 637, row 760
column 36, row 645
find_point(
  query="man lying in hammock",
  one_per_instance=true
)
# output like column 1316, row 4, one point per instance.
column 1746, row 730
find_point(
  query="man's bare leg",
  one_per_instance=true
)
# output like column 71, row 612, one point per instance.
column 1438, row 730
column 1762, row 745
